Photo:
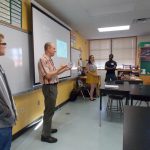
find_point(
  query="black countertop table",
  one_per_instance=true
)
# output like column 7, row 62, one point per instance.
column 123, row 89
column 136, row 128
column 130, row 91
column 140, row 92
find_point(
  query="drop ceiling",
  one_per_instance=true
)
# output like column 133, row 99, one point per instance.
column 85, row 16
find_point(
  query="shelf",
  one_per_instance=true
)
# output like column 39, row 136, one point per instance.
column 126, row 73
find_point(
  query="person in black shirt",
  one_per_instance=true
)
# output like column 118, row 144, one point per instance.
column 110, row 66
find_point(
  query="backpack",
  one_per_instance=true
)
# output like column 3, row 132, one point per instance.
column 73, row 95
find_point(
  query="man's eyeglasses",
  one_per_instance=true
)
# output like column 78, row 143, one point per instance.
column 3, row 44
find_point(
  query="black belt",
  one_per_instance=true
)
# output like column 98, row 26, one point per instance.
column 52, row 83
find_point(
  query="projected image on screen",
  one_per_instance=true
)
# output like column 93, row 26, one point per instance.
column 47, row 29
column 61, row 49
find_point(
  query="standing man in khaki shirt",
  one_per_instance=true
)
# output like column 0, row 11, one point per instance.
column 48, row 76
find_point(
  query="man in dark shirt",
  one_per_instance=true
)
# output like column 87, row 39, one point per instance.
column 110, row 66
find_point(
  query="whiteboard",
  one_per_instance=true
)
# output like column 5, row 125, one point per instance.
column 16, row 60
column 75, row 53
column 46, row 29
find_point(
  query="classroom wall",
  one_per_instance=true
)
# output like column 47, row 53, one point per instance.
column 30, row 105
column 82, row 45
column 144, row 38
column 26, row 15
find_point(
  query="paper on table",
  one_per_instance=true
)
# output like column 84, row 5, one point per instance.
column 112, row 86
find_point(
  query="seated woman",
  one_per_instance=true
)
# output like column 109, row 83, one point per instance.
column 92, row 77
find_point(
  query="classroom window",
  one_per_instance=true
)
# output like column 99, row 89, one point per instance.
column 124, row 50
column 100, row 49
column 11, row 12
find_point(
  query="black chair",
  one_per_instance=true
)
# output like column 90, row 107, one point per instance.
column 140, row 100
column 115, row 101
column 115, row 97
column 119, row 103
column 82, row 88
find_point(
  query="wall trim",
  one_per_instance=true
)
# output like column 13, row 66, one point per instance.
column 35, row 122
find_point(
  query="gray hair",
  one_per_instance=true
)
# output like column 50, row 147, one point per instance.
column 47, row 44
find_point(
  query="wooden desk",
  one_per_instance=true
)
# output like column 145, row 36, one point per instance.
column 136, row 128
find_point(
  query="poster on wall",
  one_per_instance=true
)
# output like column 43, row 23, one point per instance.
column 145, row 54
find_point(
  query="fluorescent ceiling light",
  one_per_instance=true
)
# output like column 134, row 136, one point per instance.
column 116, row 28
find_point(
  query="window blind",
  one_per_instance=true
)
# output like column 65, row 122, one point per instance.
column 11, row 12
column 123, row 49
column 100, row 49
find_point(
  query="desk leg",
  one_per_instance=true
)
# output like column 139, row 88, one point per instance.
column 127, row 100
column 100, row 107
column 131, row 101
column 100, row 119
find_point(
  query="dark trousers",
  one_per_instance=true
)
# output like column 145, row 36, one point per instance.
column 110, row 77
column 5, row 138
column 50, row 95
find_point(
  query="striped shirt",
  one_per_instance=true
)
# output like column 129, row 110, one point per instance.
column 45, row 66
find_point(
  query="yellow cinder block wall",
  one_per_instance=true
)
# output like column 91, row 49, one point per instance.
column 26, row 15
column 30, row 105
column 82, row 44
column 64, row 89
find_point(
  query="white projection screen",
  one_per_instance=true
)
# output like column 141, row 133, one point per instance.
column 48, row 29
